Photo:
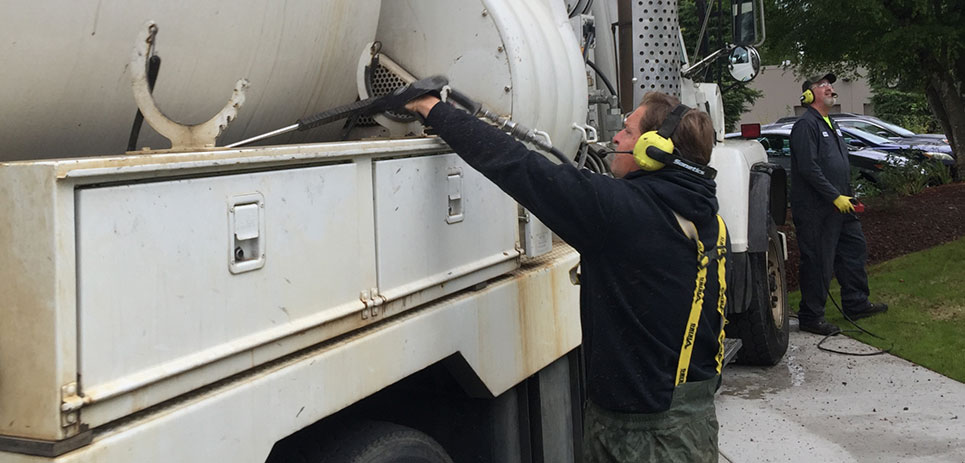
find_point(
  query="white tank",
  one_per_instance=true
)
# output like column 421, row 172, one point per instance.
column 65, row 87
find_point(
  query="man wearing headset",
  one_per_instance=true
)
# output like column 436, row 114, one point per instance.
column 653, row 253
column 829, row 234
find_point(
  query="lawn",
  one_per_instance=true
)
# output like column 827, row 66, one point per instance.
column 925, row 293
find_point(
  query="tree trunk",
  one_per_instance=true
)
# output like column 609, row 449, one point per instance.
column 948, row 106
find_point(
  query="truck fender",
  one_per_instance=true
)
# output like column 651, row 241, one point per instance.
column 767, row 201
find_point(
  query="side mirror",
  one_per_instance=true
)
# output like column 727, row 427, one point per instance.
column 856, row 142
column 745, row 22
column 744, row 63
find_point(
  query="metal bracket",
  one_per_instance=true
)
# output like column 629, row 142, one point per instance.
column 70, row 404
column 373, row 301
column 183, row 137
column 587, row 130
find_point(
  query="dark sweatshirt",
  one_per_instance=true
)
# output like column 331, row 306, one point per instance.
column 638, row 267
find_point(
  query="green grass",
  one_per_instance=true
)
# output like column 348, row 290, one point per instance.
column 925, row 293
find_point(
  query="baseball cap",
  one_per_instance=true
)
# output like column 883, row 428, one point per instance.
column 813, row 80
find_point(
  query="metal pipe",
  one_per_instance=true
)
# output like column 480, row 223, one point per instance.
column 290, row 128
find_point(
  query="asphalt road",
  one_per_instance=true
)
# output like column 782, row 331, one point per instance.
column 817, row 406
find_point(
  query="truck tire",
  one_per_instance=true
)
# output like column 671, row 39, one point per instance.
column 381, row 442
column 763, row 327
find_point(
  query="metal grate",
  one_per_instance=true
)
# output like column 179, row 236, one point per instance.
column 657, row 59
column 382, row 82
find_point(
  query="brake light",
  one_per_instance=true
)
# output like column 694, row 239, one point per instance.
column 750, row 130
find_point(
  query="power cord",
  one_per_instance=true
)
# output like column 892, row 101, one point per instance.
column 858, row 330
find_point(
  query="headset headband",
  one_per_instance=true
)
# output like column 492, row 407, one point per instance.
column 674, row 159
column 673, row 119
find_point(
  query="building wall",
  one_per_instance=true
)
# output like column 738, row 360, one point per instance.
column 782, row 93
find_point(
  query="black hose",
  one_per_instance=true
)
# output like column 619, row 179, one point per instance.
column 589, row 4
column 153, row 67
column 589, row 38
column 562, row 157
column 859, row 330
column 606, row 81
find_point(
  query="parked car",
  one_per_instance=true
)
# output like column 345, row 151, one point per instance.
column 885, row 129
column 776, row 139
column 861, row 139
column 879, row 127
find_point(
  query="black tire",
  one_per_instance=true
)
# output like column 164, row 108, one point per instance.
column 380, row 442
column 763, row 327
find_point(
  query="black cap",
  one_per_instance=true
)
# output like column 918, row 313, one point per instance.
column 813, row 80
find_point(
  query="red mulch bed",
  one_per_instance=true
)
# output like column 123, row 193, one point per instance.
column 895, row 226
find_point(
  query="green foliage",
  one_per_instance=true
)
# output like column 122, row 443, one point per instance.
column 864, row 186
column 912, row 177
column 737, row 99
column 903, row 180
column 907, row 109
column 937, row 173
column 925, row 316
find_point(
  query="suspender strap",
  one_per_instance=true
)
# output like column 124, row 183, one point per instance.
column 690, row 334
column 722, row 284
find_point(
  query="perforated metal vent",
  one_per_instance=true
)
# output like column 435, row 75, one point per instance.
column 656, row 61
column 382, row 81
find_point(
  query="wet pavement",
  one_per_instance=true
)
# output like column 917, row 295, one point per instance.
column 817, row 406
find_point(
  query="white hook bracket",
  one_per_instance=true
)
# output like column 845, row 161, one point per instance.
column 183, row 137
column 589, row 132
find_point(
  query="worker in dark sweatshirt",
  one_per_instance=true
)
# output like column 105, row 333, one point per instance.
column 653, row 253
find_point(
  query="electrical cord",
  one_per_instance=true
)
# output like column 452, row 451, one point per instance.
column 858, row 330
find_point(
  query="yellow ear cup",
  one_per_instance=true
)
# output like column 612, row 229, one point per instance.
column 807, row 97
column 645, row 141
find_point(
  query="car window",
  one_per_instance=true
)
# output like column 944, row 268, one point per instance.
column 777, row 145
column 870, row 128
column 867, row 137
column 897, row 129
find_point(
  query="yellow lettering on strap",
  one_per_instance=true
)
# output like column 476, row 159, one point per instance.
column 700, row 284
column 690, row 334
column 722, row 281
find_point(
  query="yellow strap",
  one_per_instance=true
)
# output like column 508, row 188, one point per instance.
column 722, row 280
column 690, row 334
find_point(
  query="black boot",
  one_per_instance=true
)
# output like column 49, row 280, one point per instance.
column 820, row 326
column 869, row 310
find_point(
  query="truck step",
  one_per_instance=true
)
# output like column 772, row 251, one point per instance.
column 731, row 346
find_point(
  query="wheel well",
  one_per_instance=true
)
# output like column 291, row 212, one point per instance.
column 444, row 403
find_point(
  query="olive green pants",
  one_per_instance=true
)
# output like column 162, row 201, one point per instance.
column 687, row 432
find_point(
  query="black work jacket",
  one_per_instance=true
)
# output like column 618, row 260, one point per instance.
column 820, row 170
column 638, row 267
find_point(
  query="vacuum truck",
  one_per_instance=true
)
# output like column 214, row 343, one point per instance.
column 239, row 279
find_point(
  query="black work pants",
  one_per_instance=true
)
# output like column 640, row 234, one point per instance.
column 830, row 241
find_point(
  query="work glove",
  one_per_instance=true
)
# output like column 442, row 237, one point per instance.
column 843, row 203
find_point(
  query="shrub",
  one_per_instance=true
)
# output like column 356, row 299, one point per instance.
column 912, row 176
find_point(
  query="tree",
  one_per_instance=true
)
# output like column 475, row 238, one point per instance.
column 737, row 97
column 908, row 45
